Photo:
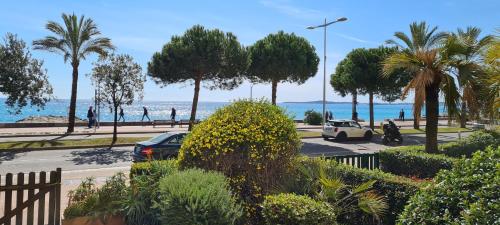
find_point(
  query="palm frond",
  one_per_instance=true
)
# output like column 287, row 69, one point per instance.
column 364, row 187
column 373, row 204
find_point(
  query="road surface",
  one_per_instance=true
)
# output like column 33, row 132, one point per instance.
column 85, row 159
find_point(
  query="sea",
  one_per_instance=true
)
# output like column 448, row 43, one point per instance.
column 161, row 110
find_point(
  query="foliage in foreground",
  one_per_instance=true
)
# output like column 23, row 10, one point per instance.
column 292, row 209
column 467, row 194
column 251, row 142
column 304, row 176
column 413, row 161
column 88, row 200
column 195, row 197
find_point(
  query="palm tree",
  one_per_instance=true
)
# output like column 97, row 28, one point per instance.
column 422, row 58
column 75, row 40
column 490, row 84
column 466, row 48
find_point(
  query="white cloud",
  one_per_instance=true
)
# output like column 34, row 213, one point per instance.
column 348, row 37
column 286, row 8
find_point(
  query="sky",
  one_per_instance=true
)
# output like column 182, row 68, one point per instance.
column 140, row 28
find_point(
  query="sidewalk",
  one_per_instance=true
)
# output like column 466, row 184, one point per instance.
column 9, row 132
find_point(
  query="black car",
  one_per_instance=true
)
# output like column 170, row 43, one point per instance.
column 163, row 146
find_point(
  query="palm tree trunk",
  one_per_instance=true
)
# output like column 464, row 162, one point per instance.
column 372, row 122
column 114, row 126
column 431, row 117
column 354, row 104
column 416, row 120
column 274, row 89
column 72, row 104
column 463, row 115
column 195, row 101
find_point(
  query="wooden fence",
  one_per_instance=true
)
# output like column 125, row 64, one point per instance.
column 31, row 202
column 366, row 161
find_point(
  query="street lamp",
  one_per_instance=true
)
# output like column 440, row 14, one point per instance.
column 324, row 61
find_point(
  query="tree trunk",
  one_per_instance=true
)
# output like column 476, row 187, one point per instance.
column 115, row 123
column 463, row 115
column 354, row 104
column 416, row 120
column 431, row 117
column 372, row 122
column 72, row 104
column 273, row 95
column 195, row 102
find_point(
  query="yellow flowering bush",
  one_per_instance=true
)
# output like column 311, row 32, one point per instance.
column 251, row 142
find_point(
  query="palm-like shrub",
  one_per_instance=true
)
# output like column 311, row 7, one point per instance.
column 291, row 209
column 251, row 142
column 467, row 194
column 195, row 197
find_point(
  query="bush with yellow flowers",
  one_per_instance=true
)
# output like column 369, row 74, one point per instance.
column 251, row 142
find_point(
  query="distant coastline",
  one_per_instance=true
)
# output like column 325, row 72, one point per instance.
column 333, row 102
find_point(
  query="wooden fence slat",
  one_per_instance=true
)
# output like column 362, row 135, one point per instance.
column 8, row 197
column 376, row 160
column 31, row 193
column 52, row 200
column 58, row 196
column 20, row 198
column 41, row 201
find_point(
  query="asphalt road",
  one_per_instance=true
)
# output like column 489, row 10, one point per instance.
column 87, row 159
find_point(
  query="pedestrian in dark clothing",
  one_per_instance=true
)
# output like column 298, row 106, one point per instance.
column 402, row 115
column 122, row 115
column 145, row 114
column 326, row 116
column 172, row 116
column 90, row 116
column 330, row 115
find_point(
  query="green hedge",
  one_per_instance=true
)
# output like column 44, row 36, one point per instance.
column 396, row 189
column 467, row 194
column 414, row 162
column 291, row 209
column 410, row 161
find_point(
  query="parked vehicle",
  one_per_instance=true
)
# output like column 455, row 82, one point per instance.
column 391, row 134
column 163, row 146
column 341, row 130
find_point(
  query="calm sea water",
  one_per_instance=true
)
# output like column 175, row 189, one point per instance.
column 161, row 110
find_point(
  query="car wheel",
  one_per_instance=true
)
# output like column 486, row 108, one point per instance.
column 341, row 137
column 325, row 138
column 368, row 135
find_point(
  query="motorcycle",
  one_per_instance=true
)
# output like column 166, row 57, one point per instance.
column 391, row 134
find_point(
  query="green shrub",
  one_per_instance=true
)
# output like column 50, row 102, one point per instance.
column 194, row 197
column 145, row 168
column 467, row 194
column 312, row 117
column 144, row 183
column 396, row 189
column 411, row 161
column 291, row 209
column 477, row 141
column 88, row 200
column 414, row 162
column 251, row 142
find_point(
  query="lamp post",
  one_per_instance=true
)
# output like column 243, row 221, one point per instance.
column 324, row 59
column 251, row 92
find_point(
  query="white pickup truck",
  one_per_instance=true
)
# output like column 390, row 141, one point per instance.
column 341, row 130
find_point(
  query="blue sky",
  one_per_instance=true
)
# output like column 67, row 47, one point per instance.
column 140, row 28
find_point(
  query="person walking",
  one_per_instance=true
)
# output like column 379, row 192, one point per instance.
column 402, row 113
column 122, row 115
column 145, row 114
column 330, row 115
column 172, row 116
column 90, row 117
column 327, row 116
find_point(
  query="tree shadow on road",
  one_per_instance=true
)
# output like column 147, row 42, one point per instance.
column 9, row 155
column 100, row 156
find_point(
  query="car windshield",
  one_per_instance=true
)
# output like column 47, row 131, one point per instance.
column 160, row 138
